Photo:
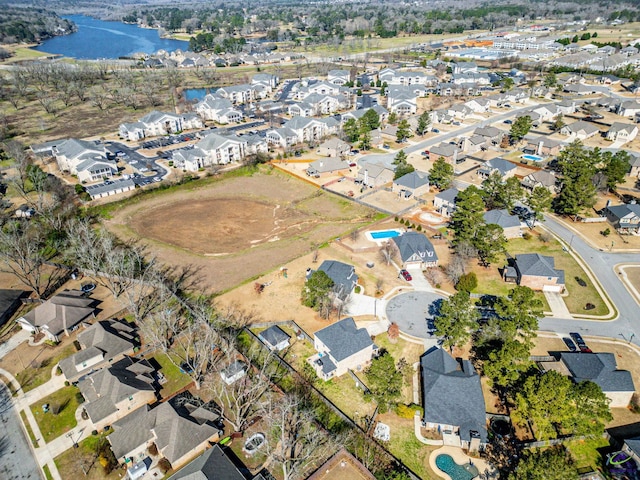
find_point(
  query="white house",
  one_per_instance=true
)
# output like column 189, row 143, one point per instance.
column 624, row 132
column 219, row 110
column 339, row 77
column 214, row 149
column 87, row 160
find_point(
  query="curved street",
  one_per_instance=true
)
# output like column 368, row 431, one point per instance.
column 626, row 325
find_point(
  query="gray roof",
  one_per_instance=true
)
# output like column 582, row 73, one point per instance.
column 344, row 339
column 61, row 312
column 624, row 210
column 633, row 444
column 213, row 141
column 444, row 149
column 104, row 388
column 413, row 180
column 156, row 116
column 9, row 302
column 543, row 177
column 414, row 246
column 175, row 435
column 329, row 164
column 274, row 335
column 621, row 127
column 234, row 368
column 488, row 131
column 73, row 148
column 343, row 275
column 212, row 464
column 107, row 338
column 600, row 368
column 448, row 195
column 502, row 218
column 500, row 164
column 112, row 186
column 537, row 265
column 452, row 394
column 587, row 127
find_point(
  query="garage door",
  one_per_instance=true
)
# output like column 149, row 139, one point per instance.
column 552, row 288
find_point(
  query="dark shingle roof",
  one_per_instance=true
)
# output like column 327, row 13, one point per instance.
column 342, row 274
column 538, row 265
column 452, row 394
column 501, row 218
column 449, row 195
column 212, row 464
column 413, row 180
column 600, row 368
column 274, row 335
column 413, row 244
column 621, row 211
column 344, row 339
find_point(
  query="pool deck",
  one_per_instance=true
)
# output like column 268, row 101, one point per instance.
column 461, row 458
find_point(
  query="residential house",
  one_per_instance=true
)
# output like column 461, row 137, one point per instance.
column 339, row 77
column 341, row 346
column 452, row 400
column 234, row 372
column 473, row 144
column 416, row 249
column 213, row 464
column 301, row 109
column 102, row 343
column 479, row 105
column 580, row 130
column 581, row 89
column 412, row 184
column 492, row 135
column 624, row 218
column 622, row 132
column 464, row 67
column 546, row 112
column 540, row 178
column 567, row 107
column 635, row 166
column 307, row 129
column 85, row 159
column 58, row 315
column 505, row 168
column 274, row 338
column 510, row 224
column 470, row 77
column 325, row 104
column 323, row 88
column 535, row 271
column 601, row 369
column 179, row 433
column 543, row 146
column 110, row 187
column 403, row 100
column 451, row 153
column 334, row 147
column 375, row 175
column 338, row 464
column 282, row 137
column 327, row 167
column 445, row 201
column 628, row 108
column 10, row 301
column 631, row 446
column 343, row 276
column 114, row 392
column 382, row 112
column 159, row 123
column 219, row 110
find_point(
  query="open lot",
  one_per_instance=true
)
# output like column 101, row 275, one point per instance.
column 238, row 227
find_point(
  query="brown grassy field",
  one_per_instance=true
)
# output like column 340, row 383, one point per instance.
column 237, row 228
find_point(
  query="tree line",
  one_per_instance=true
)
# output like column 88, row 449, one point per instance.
column 31, row 25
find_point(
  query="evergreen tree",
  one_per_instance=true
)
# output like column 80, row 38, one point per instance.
column 456, row 318
column 403, row 131
column 468, row 218
column 441, row 174
column 423, row 123
column 520, row 128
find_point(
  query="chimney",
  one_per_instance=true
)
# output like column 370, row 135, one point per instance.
column 366, row 177
column 608, row 203
column 455, row 155
column 540, row 145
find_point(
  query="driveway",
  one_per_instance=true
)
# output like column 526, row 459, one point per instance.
column 12, row 342
column 360, row 304
column 418, row 280
column 414, row 312
column 558, row 307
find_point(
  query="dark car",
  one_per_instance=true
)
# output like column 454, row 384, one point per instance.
column 580, row 342
column 570, row 345
column 406, row 275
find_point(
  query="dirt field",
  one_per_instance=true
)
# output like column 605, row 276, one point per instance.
column 239, row 227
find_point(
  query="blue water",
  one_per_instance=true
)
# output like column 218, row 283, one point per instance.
column 446, row 463
column 385, row 234
column 534, row 158
column 197, row 93
column 97, row 39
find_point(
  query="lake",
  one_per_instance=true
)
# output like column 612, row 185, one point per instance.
column 97, row 39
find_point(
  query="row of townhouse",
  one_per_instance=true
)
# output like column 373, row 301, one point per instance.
column 407, row 78
column 86, row 159
column 302, row 129
column 159, row 123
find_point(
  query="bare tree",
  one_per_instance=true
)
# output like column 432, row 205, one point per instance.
column 298, row 441
column 246, row 397
column 387, row 253
column 455, row 268
column 23, row 253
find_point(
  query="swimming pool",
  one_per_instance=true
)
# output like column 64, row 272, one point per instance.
column 378, row 235
column 457, row 472
column 534, row 158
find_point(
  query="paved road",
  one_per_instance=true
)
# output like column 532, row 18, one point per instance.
column 414, row 311
column 16, row 459
column 601, row 263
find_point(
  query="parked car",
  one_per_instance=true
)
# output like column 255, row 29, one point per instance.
column 406, row 275
column 508, row 122
column 580, row 342
column 435, row 130
column 570, row 345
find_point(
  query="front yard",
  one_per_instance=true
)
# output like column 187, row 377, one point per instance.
column 88, row 458
column 39, row 369
column 61, row 414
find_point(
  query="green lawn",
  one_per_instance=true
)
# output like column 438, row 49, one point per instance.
column 30, row 377
column 578, row 296
column 27, row 427
column 176, row 380
column 404, row 445
column 586, row 454
column 51, row 425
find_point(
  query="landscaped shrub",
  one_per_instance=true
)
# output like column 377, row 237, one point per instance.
column 164, row 465
column 419, row 228
column 467, row 283
column 408, row 411
column 526, row 236
column 396, row 219
column 79, row 398
column 606, row 232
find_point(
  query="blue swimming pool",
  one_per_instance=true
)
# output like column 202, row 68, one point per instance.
column 382, row 234
column 534, row 158
column 457, row 472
